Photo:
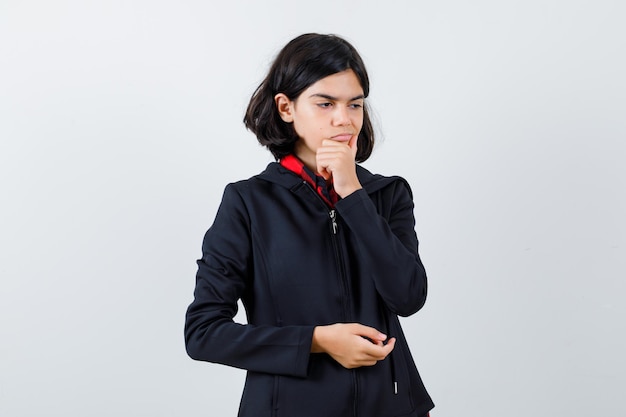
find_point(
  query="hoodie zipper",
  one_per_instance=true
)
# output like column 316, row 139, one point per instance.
column 332, row 214
column 340, row 266
column 345, row 287
column 333, row 219
column 346, row 301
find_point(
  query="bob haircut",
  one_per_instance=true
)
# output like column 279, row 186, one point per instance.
column 301, row 63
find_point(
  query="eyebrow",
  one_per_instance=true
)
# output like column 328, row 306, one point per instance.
column 327, row 97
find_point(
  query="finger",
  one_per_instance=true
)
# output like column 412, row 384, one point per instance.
column 334, row 146
column 322, row 167
column 383, row 349
column 333, row 151
column 323, row 162
column 353, row 144
column 369, row 332
column 358, row 364
column 391, row 344
column 379, row 353
column 324, row 172
column 326, row 164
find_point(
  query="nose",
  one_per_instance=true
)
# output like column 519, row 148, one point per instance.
column 341, row 116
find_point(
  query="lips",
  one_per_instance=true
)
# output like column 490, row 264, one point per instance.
column 342, row 137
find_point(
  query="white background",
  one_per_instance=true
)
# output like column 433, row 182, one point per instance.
column 120, row 125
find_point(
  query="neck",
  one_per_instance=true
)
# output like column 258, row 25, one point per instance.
column 307, row 158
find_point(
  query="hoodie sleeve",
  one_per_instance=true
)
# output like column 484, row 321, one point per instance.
column 223, row 274
column 388, row 245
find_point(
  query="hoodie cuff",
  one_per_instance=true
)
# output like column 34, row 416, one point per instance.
column 356, row 198
column 301, row 368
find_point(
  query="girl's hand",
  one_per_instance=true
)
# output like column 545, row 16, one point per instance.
column 336, row 159
column 352, row 344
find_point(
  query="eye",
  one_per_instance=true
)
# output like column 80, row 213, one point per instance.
column 324, row 105
column 356, row 105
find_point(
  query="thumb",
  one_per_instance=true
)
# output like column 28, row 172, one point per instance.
column 353, row 144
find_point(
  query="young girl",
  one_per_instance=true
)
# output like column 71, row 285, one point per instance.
column 322, row 253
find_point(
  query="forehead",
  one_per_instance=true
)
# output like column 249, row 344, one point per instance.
column 343, row 85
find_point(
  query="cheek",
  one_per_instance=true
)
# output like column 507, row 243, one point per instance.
column 306, row 130
column 359, row 122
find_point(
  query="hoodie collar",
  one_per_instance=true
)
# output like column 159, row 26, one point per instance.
column 280, row 175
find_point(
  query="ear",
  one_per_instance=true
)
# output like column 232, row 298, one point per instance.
column 284, row 107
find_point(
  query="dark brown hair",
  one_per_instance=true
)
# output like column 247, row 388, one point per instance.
column 301, row 63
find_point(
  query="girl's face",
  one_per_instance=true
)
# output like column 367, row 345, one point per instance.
column 331, row 108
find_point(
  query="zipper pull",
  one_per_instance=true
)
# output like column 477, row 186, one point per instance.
column 333, row 218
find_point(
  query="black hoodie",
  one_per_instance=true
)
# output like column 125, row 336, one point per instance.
column 297, row 264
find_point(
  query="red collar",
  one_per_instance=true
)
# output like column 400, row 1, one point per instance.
column 319, row 184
